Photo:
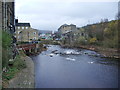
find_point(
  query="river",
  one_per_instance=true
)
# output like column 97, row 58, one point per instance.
column 74, row 68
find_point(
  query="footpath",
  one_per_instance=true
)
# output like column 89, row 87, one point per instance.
column 25, row 78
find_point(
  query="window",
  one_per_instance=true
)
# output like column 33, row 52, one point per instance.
column 18, row 27
column 26, row 27
column 34, row 32
column 22, row 27
column 82, row 34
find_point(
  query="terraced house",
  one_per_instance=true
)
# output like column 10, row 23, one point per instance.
column 24, row 32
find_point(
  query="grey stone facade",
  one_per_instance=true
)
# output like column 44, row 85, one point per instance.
column 7, row 16
column 66, row 28
column 0, row 15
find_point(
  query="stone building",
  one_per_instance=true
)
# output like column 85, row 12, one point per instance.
column 24, row 32
column 7, row 13
column 80, row 32
column 66, row 28
column 1, row 15
column 70, row 34
column 7, row 24
column 66, row 33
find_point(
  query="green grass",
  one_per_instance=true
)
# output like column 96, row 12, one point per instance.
column 17, row 65
column 10, row 74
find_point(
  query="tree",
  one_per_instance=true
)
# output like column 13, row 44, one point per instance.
column 81, row 40
column 93, row 40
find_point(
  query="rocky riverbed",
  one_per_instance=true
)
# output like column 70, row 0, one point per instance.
column 105, row 52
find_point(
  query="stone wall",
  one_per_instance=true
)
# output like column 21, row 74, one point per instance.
column 7, row 16
column 0, row 15
column 25, row 78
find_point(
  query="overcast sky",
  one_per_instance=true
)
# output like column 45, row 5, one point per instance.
column 51, row 14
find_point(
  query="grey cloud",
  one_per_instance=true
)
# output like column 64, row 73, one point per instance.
column 52, row 15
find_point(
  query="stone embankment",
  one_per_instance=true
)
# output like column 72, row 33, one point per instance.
column 25, row 78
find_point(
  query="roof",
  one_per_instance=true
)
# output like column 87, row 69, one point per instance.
column 72, row 25
column 64, row 25
column 23, row 24
column 45, row 31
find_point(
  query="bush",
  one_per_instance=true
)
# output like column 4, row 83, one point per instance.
column 6, row 40
column 6, row 48
column 93, row 40
column 19, row 63
column 81, row 40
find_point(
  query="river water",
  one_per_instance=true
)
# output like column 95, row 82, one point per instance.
column 74, row 68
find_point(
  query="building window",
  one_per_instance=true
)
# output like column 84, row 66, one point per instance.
column 18, row 27
column 34, row 32
column 22, row 27
column 82, row 34
column 26, row 27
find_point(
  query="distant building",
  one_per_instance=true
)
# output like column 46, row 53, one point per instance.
column 70, row 33
column 24, row 32
column 66, row 28
column 7, row 14
column 66, row 33
column 45, row 35
column 81, row 32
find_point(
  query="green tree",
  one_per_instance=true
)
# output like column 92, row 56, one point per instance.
column 81, row 40
column 93, row 40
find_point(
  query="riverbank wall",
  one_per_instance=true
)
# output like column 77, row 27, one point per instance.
column 26, row 77
column 105, row 52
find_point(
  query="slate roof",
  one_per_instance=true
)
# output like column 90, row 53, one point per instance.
column 64, row 25
column 45, row 31
column 23, row 24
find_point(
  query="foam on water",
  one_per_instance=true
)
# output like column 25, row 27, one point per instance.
column 71, row 59
column 91, row 62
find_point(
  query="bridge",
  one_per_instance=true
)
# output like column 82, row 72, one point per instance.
column 29, row 48
column 26, row 46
